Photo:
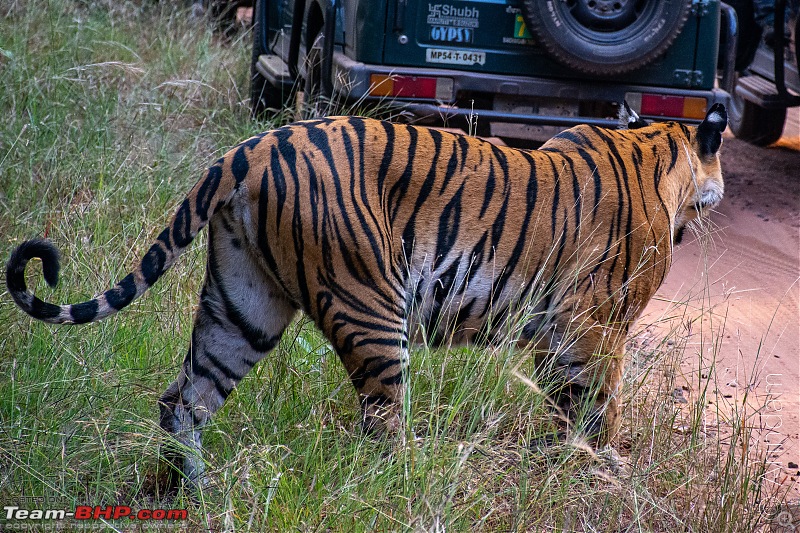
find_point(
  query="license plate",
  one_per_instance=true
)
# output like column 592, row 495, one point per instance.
column 523, row 106
column 455, row 57
column 539, row 106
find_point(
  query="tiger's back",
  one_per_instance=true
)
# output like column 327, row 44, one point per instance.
column 463, row 229
column 385, row 234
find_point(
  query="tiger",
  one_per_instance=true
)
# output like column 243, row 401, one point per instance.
column 388, row 235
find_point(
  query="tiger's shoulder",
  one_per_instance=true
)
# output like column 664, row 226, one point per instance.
column 631, row 129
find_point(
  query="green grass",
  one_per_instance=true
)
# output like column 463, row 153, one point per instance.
column 111, row 111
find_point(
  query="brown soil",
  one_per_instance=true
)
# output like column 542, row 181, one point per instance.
column 739, row 287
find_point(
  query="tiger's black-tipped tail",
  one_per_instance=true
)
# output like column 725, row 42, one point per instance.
column 193, row 214
column 92, row 310
column 15, row 277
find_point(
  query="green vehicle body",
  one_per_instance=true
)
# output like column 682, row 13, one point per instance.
column 499, row 71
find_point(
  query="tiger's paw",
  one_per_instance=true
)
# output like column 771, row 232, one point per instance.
column 381, row 420
column 616, row 464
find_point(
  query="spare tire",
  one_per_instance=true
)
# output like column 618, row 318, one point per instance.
column 606, row 36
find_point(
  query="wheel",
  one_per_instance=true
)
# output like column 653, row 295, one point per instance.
column 223, row 16
column 263, row 95
column 606, row 36
column 749, row 33
column 753, row 123
column 314, row 104
column 796, row 37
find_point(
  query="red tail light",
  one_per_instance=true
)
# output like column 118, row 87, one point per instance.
column 411, row 87
column 661, row 105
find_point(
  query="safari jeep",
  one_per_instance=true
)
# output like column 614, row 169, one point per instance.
column 508, row 68
column 767, row 79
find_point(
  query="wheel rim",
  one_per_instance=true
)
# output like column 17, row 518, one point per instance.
column 605, row 15
column 606, row 21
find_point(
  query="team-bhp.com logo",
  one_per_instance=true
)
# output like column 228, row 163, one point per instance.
column 14, row 513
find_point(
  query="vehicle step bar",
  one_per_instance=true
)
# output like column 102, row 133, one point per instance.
column 764, row 93
column 421, row 112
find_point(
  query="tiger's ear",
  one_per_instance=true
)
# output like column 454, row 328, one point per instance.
column 628, row 119
column 709, row 132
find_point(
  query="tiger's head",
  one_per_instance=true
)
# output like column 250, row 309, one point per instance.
column 694, row 181
column 707, row 186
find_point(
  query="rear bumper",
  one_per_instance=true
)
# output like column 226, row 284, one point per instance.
column 352, row 80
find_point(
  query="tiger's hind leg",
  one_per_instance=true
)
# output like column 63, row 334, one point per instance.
column 240, row 319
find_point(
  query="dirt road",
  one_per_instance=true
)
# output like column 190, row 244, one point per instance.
column 740, row 292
